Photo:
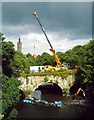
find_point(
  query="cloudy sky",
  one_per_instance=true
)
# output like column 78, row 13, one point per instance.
column 66, row 24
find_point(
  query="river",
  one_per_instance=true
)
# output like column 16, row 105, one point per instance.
column 72, row 108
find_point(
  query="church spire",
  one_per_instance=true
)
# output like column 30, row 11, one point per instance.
column 19, row 45
column 19, row 40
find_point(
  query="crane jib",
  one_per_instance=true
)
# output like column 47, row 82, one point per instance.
column 43, row 31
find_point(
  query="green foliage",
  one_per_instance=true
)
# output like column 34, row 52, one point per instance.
column 27, row 93
column 10, row 84
column 75, row 55
column 15, row 64
column 31, row 59
column 61, row 56
column 10, row 92
column 38, row 60
column 8, row 52
column 1, row 37
column 0, row 101
column 39, row 73
column 89, row 60
column 46, row 79
column 63, row 74
column 20, row 64
column 66, row 91
column 83, row 56
column 44, row 59
column 13, row 114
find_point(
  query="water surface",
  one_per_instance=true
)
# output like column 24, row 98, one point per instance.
column 71, row 109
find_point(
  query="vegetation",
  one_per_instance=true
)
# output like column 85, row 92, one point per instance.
column 15, row 64
column 46, row 79
column 80, row 57
column 10, row 83
column 10, row 93
column 66, row 91
column 63, row 74
column 20, row 64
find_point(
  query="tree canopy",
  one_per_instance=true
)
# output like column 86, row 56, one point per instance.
column 8, row 52
column 10, row 84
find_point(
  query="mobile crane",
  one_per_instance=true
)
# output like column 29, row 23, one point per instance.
column 59, row 65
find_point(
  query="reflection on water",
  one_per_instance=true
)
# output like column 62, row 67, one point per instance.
column 72, row 109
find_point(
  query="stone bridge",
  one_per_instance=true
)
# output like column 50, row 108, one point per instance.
column 32, row 82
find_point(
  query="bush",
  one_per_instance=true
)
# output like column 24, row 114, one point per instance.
column 13, row 115
column 10, row 93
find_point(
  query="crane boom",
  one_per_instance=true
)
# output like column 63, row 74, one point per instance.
column 52, row 50
column 35, row 14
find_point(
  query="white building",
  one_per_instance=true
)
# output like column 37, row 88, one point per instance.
column 36, row 68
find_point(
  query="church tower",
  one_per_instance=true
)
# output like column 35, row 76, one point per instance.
column 19, row 45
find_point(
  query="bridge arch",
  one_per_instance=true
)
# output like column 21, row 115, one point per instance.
column 49, row 87
column 35, row 81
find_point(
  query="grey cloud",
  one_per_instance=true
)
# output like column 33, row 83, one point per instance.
column 66, row 19
column 47, row 0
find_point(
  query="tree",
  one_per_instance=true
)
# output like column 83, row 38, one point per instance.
column 20, row 64
column 46, row 59
column 31, row 59
column 83, row 56
column 88, row 66
column 71, row 58
column 10, row 84
column 10, row 93
column 38, row 60
column 8, row 52
column 61, row 56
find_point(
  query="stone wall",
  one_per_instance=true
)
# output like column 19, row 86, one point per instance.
column 32, row 82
